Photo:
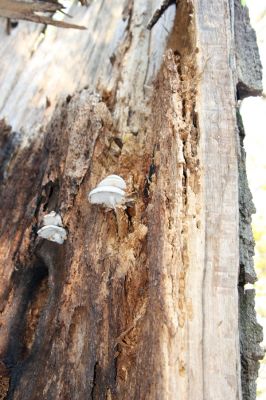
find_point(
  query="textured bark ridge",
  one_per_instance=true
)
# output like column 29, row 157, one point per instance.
column 250, row 331
column 249, row 68
column 249, row 83
column 246, row 209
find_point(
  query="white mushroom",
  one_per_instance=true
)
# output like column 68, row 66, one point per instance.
column 52, row 219
column 53, row 229
column 110, row 192
column 53, row 233
column 113, row 180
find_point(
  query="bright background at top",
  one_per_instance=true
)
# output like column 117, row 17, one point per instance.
column 253, row 111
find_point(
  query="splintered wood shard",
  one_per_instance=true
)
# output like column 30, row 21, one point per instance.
column 159, row 12
column 27, row 11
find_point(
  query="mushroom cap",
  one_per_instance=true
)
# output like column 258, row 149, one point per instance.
column 113, row 180
column 52, row 219
column 110, row 196
column 53, row 233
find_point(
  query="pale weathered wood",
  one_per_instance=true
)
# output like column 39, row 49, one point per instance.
column 219, row 276
column 51, row 70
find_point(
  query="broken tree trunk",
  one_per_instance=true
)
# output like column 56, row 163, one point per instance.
column 141, row 303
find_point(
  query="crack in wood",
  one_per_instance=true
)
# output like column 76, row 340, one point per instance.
column 94, row 382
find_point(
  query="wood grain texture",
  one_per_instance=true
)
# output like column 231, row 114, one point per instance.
column 217, row 121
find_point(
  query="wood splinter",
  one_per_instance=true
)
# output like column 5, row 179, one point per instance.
column 34, row 11
column 159, row 12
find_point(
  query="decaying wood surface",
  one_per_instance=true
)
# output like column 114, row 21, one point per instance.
column 141, row 303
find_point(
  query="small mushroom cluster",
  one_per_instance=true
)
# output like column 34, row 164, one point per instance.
column 110, row 192
column 53, row 229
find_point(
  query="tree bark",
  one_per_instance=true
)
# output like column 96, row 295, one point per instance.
column 141, row 303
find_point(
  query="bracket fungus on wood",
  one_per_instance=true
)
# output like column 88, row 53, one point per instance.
column 110, row 192
column 53, row 229
column 52, row 219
